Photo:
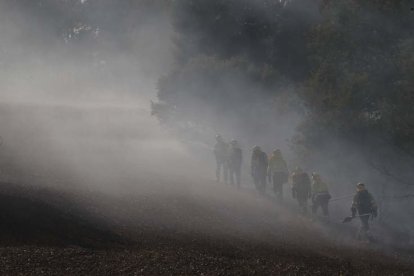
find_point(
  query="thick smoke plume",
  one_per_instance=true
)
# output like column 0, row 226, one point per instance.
column 77, row 79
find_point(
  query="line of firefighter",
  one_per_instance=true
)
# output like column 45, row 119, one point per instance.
column 229, row 161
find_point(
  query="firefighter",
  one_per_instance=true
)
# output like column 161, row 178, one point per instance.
column 365, row 205
column 277, row 172
column 301, row 188
column 235, row 162
column 221, row 149
column 320, row 195
column 259, row 165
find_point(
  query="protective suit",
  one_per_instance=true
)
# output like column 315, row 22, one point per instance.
column 235, row 162
column 277, row 172
column 301, row 188
column 365, row 205
column 259, row 165
column 320, row 195
column 221, row 153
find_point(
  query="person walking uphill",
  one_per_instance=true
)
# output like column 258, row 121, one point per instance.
column 301, row 188
column 235, row 162
column 366, row 207
column 277, row 172
column 259, row 165
column 320, row 195
column 221, row 149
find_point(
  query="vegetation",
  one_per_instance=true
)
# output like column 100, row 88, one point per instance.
column 349, row 62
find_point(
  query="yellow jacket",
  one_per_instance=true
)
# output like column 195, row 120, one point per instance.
column 319, row 187
column 277, row 164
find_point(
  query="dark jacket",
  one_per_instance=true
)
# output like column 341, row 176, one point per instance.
column 301, row 185
column 259, row 163
column 364, row 203
column 221, row 152
column 235, row 158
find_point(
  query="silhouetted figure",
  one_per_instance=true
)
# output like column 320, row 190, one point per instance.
column 221, row 151
column 320, row 195
column 366, row 207
column 235, row 162
column 278, row 173
column 301, row 188
column 259, row 165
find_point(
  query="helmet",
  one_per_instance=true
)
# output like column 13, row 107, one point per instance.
column 316, row 176
column 219, row 138
column 277, row 152
column 298, row 169
column 256, row 148
column 360, row 186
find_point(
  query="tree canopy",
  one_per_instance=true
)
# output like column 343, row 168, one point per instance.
column 347, row 66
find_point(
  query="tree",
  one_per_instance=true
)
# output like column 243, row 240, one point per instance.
column 232, row 59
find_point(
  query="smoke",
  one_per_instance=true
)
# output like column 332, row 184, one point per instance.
column 223, row 84
column 76, row 109
column 75, row 116
column 75, row 113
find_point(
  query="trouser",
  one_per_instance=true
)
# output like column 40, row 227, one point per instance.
column 321, row 200
column 235, row 173
column 364, row 228
column 278, row 179
column 222, row 167
column 303, row 204
column 260, row 182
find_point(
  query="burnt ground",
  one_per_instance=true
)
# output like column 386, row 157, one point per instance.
column 44, row 231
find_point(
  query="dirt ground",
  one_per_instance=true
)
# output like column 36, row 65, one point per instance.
column 49, row 232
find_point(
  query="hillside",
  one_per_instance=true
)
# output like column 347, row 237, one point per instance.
column 47, row 232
